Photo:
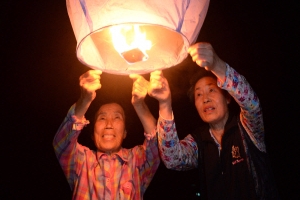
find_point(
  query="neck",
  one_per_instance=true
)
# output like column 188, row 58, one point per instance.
column 217, row 129
column 218, row 134
column 108, row 153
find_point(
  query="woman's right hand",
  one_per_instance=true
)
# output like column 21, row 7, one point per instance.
column 89, row 82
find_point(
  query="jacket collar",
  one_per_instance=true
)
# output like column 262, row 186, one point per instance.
column 231, row 123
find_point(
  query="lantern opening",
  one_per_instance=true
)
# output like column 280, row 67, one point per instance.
column 130, row 42
column 160, row 48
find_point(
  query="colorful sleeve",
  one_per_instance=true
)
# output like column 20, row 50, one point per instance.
column 147, row 155
column 251, row 113
column 66, row 147
column 176, row 154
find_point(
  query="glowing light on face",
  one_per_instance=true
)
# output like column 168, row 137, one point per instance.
column 130, row 42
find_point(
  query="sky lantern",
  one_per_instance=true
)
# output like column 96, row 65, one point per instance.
column 135, row 36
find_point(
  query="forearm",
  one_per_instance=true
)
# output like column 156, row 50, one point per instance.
column 239, row 88
column 64, row 134
column 89, row 82
column 251, row 113
column 220, row 70
column 146, row 117
column 65, row 146
column 81, row 108
column 176, row 154
column 165, row 110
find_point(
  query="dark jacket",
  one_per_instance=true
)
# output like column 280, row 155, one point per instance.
column 241, row 171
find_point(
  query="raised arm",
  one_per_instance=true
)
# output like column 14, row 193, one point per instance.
column 148, row 155
column 139, row 92
column 89, row 82
column 160, row 90
column 237, row 86
column 176, row 154
column 65, row 143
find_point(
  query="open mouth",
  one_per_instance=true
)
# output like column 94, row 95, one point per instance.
column 209, row 109
column 108, row 136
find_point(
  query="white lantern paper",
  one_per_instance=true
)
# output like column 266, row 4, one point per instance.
column 166, row 28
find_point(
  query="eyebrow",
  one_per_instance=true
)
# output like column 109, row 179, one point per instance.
column 105, row 113
column 198, row 88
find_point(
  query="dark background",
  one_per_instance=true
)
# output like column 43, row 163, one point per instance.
column 39, row 82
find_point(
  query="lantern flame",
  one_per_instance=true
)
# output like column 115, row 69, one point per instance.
column 130, row 42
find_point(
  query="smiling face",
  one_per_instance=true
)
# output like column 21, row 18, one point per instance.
column 109, row 129
column 211, row 102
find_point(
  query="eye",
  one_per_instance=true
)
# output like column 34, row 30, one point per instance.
column 101, row 118
column 198, row 94
column 211, row 90
column 118, row 117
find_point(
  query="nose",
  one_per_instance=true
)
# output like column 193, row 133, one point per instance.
column 109, row 124
column 206, row 98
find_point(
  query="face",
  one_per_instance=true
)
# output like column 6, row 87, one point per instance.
column 211, row 102
column 109, row 130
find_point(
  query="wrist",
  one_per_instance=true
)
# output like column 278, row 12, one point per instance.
column 81, row 107
column 83, row 102
column 138, row 104
column 140, row 107
column 165, row 109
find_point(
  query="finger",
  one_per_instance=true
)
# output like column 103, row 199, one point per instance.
column 200, row 48
column 138, row 95
column 203, row 63
column 203, row 57
column 156, row 76
column 91, row 74
column 134, row 76
column 90, row 80
column 94, row 73
column 140, row 86
column 97, row 71
column 199, row 45
column 154, row 85
column 95, row 85
column 193, row 47
column 90, row 77
column 156, row 73
column 200, row 52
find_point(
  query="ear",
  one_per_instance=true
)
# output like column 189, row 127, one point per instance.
column 125, row 134
column 228, row 98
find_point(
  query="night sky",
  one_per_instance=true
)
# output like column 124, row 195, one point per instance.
column 39, row 83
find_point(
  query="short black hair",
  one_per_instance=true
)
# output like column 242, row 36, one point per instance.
column 201, row 73
column 112, row 102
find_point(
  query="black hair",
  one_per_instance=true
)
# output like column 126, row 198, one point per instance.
column 113, row 102
column 195, row 78
column 201, row 73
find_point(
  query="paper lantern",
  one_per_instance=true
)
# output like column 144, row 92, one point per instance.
column 135, row 36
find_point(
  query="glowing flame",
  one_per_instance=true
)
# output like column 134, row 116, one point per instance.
column 130, row 42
